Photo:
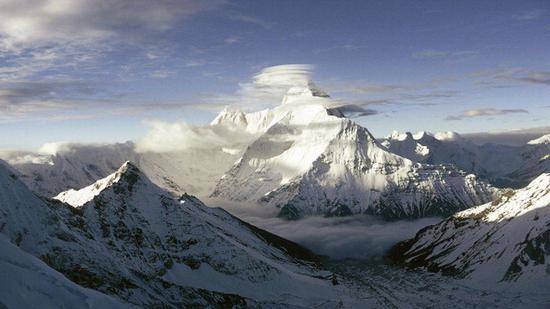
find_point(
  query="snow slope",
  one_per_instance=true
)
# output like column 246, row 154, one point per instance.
column 167, row 251
column 504, row 241
column 535, row 158
column 311, row 160
column 545, row 139
column 27, row 282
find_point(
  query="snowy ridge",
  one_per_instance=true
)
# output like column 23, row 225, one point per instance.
column 312, row 162
column 77, row 198
column 174, row 252
column 545, row 139
column 506, row 241
column 502, row 165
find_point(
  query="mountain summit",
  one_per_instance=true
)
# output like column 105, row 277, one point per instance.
column 309, row 161
column 299, row 94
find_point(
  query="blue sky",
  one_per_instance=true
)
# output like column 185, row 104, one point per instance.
column 87, row 72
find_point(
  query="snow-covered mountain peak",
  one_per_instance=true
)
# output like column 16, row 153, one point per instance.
column 309, row 161
column 400, row 136
column 128, row 172
column 231, row 116
column 448, row 136
column 422, row 134
column 305, row 94
column 545, row 139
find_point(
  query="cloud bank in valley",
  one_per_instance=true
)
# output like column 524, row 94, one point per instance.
column 355, row 237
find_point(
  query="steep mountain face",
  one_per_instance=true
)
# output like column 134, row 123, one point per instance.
column 312, row 161
column 507, row 240
column 502, row 165
column 535, row 161
column 167, row 251
column 194, row 170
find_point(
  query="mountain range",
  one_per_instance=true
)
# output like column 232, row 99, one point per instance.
column 168, row 251
column 119, row 226
column 501, row 165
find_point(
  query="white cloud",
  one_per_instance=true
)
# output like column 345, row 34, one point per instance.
column 47, row 21
column 356, row 237
column 54, row 148
column 251, row 20
column 478, row 112
column 54, row 39
column 269, row 86
column 444, row 54
column 285, row 76
column 181, row 136
column 232, row 40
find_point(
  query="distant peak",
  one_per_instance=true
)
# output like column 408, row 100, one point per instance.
column 422, row 134
column 400, row 136
column 230, row 115
column 128, row 173
column 545, row 139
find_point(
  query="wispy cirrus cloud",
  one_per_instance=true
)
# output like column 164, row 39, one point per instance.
column 514, row 74
column 232, row 39
column 430, row 54
column 536, row 77
column 529, row 15
column 480, row 112
column 251, row 20
column 372, row 88
column 340, row 47
column 45, row 46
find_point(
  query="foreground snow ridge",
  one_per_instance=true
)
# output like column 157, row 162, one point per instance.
column 507, row 240
column 171, row 252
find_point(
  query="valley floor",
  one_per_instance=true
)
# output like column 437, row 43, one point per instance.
column 356, row 246
column 395, row 287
